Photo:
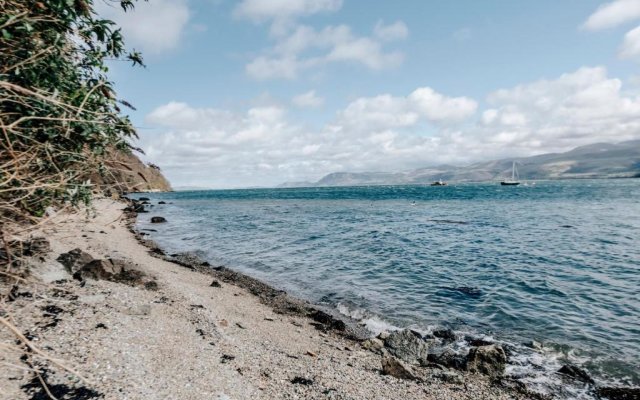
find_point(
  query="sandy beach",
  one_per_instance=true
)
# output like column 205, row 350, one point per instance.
column 175, row 334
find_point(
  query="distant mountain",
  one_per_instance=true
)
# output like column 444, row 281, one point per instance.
column 599, row 160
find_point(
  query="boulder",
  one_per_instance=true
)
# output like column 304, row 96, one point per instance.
column 74, row 260
column 158, row 220
column 488, row 360
column 407, row 346
column 144, row 199
column 396, row 368
column 445, row 334
column 576, row 373
column 162, row 202
column 448, row 359
column 107, row 269
column 619, row 393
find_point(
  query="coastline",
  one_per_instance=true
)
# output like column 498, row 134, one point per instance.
column 177, row 336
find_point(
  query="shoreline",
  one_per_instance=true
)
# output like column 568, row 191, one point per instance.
column 182, row 335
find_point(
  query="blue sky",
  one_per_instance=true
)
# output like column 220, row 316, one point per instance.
column 258, row 92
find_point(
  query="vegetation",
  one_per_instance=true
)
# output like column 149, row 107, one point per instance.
column 59, row 114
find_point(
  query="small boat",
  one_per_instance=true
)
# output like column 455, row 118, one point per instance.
column 439, row 182
column 514, row 181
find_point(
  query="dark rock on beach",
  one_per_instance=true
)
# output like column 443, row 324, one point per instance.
column 74, row 260
column 162, row 202
column 396, row 368
column 487, row 360
column 612, row 393
column 158, row 220
column 407, row 346
column 448, row 359
column 445, row 334
column 576, row 373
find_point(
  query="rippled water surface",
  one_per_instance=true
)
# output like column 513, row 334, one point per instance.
column 558, row 261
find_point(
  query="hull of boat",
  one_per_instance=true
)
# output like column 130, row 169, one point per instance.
column 509, row 183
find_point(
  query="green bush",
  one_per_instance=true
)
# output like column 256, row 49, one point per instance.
column 59, row 114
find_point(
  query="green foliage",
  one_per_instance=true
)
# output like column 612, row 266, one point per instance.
column 58, row 110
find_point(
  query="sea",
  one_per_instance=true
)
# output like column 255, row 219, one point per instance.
column 550, row 269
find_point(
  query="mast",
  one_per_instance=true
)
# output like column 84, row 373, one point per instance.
column 513, row 172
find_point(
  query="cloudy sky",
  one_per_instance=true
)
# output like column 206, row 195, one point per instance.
column 242, row 93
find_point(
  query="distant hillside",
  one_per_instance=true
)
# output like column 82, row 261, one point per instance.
column 599, row 160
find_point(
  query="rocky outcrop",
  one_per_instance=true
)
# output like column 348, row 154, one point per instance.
column 576, row 373
column 124, row 172
column 487, row 360
column 158, row 220
column 407, row 345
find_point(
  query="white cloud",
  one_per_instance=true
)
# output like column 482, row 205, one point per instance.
column 153, row 27
column 262, row 146
column 631, row 45
column 304, row 48
column 308, row 100
column 575, row 109
column 396, row 31
column 269, row 10
column 612, row 14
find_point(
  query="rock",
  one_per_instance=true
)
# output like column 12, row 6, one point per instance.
column 449, row 377
column 533, row 344
column 376, row 345
column 448, row 359
column 396, row 368
column 162, row 202
column 576, row 373
column 215, row 283
column 407, row 346
column 74, row 260
column 100, row 269
column 328, row 320
column 144, row 199
column 445, row 334
column 478, row 342
column 613, row 393
column 158, row 220
column 488, row 360
column 384, row 335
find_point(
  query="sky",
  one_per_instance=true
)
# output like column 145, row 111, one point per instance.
column 245, row 93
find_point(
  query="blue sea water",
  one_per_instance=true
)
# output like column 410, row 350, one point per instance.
column 557, row 262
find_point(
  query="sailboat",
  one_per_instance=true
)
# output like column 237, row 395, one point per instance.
column 514, row 181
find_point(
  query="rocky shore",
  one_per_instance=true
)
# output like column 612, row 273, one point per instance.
column 129, row 321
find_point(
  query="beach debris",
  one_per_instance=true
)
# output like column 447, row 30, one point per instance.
column 299, row 380
column 226, row 358
column 407, row 345
column 215, row 283
column 487, row 360
column 269, row 319
column 576, row 373
column 311, row 353
column 396, row 368
column 101, row 326
column 224, row 323
column 239, row 325
column 158, row 220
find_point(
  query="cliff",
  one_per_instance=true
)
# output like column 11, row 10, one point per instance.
column 125, row 172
